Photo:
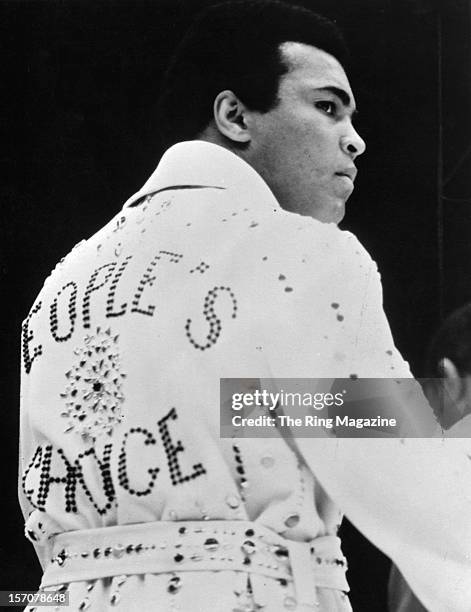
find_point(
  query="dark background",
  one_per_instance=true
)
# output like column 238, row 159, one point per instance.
column 79, row 81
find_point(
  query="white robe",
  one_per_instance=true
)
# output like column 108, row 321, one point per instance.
column 208, row 278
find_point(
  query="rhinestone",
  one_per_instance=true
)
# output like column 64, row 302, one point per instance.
column 174, row 585
column 96, row 553
column 232, row 501
column 290, row 603
column 84, row 604
column 182, row 530
column 178, row 558
column 114, row 599
column 292, row 521
column 250, row 533
column 120, row 580
column 90, row 586
column 248, row 547
column 32, row 535
column 267, row 461
column 118, row 551
column 211, row 544
column 60, row 560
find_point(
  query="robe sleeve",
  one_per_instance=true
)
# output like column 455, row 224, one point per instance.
column 411, row 497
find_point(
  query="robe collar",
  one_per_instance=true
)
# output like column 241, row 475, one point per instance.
column 196, row 164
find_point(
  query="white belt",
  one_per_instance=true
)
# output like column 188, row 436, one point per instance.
column 170, row 546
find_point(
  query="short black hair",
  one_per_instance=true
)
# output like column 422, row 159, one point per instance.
column 235, row 45
column 452, row 340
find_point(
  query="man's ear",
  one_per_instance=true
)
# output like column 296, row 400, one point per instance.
column 229, row 117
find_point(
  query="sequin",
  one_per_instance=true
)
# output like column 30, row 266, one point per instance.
column 292, row 521
column 118, row 551
column 174, row 585
column 31, row 535
column 120, row 223
column 211, row 544
column 120, row 580
column 248, row 547
column 232, row 501
column 114, row 599
column 267, row 461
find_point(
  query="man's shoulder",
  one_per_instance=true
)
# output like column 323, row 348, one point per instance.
column 318, row 241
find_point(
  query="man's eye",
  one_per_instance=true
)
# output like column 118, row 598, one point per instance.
column 328, row 107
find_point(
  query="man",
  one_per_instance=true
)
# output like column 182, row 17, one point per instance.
column 448, row 388
column 227, row 264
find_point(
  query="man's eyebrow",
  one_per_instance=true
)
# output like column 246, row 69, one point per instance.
column 343, row 96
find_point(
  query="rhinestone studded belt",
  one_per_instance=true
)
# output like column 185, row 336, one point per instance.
column 164, row 547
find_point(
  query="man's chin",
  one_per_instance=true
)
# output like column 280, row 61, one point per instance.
column 333, row 213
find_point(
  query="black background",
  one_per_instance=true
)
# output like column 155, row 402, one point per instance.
column 79, row 81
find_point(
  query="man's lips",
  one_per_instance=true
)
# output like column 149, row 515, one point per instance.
column 349, row 172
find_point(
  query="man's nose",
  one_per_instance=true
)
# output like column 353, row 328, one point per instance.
column 352, row 143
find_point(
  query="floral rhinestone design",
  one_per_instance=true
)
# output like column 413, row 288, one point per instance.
column 94, row 395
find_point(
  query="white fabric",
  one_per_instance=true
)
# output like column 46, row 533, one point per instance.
column 209, row 282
